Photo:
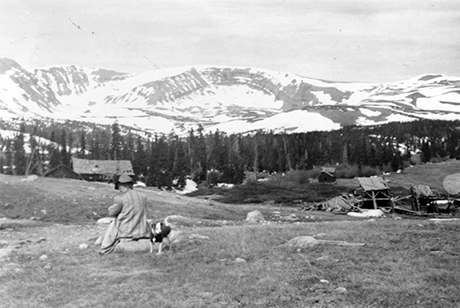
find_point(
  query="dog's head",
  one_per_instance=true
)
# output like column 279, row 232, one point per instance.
column 156, row 227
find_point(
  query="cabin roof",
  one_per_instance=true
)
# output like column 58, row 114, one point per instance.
column 374, row 183
column 88, row 166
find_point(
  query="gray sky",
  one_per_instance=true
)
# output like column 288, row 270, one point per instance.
column 339, row 40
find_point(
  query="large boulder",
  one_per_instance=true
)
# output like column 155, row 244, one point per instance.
column 303, row 242
column 255, row 216
column 129, row 245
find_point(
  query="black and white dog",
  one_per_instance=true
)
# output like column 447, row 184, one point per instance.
column 160, row 231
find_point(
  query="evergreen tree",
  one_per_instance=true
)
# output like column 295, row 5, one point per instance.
column 53, row 152
column 70, row 142
column 373, row 160
column 9, row 156
column 396, row 161
column 140, row 160
column 82, row 150
column 34, row 163
column 95, row 147
column 64, row 156
column 19, row 154
column 128, row 147
column 2, row 165
column 201, row 156
column 116, row 144
column 233, row 171
column 426, row 152
column 345, row 154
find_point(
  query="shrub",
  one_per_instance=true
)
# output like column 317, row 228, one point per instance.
column 295, row 177
column 346, row 171
column 367, row 171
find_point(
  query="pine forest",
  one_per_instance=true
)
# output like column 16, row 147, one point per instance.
column 37, row 147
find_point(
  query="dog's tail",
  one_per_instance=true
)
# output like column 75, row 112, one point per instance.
column 167, row 221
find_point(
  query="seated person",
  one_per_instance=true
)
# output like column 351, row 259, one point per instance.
column 130, row 212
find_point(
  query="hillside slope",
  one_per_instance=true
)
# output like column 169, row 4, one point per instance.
column 81, row 202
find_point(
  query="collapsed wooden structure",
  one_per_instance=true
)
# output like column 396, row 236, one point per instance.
column 424, row 200
column 421, row 197
column 342, row 203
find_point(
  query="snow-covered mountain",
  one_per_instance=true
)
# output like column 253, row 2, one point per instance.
column 231, row 99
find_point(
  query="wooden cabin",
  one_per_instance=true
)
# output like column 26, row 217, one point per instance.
column 327, row 175
column 101, row 170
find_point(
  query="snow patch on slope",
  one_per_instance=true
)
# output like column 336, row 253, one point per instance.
column 446, row 102
column 369, row 113
column 293, row 121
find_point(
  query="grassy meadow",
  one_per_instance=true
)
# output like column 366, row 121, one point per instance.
column 404, row 262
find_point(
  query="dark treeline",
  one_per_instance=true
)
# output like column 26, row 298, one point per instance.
column 218, row 156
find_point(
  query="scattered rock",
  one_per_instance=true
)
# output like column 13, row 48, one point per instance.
column 292, row 217
column 47, row 266
column 368, row 214
column 438, row 220
column 83, row 246
column 322, row 258
column 105, row 220
column 240, row 260
column 206, row 294
column 198, row 236
column 309, row 241
column 255, row 216
column 341, row 290
column 5, row 252
column 324, row 281
column 303, row 242
column 10, row 267
column 30, row 178
column 43, row 257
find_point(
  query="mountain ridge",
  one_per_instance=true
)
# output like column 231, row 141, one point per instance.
column 230, row 99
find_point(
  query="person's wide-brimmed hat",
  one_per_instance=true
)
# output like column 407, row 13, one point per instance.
column 124, row 178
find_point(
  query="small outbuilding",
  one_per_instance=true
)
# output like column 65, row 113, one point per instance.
column 101, row 170
column 62, row 172
column 375, row 192
column 327, row 175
